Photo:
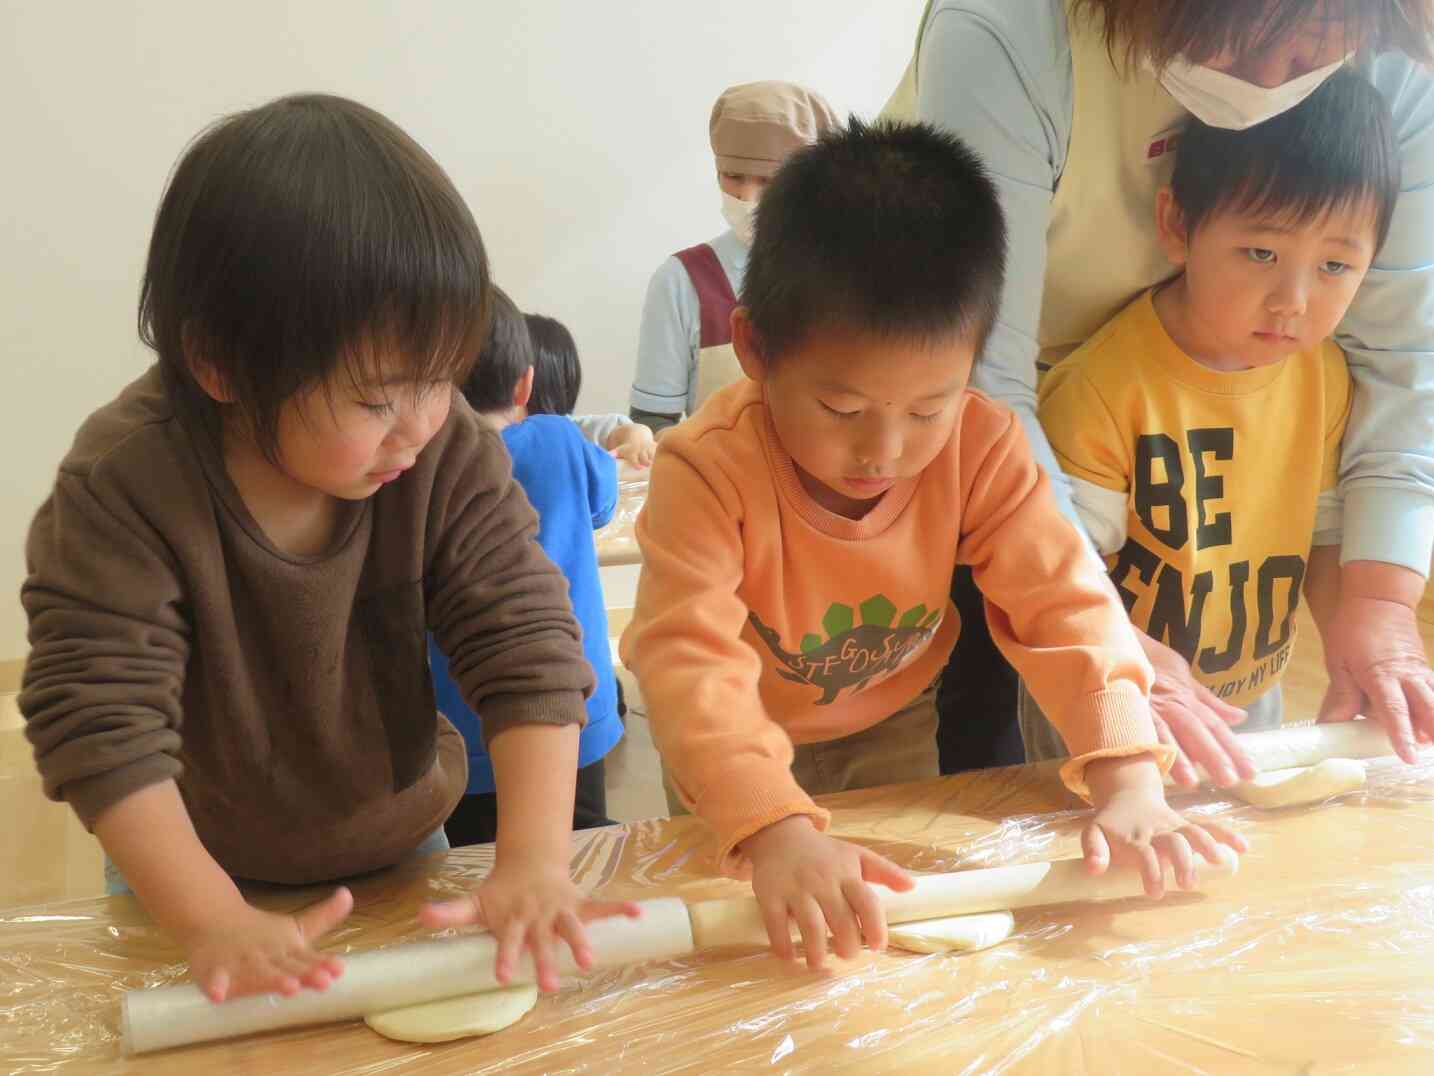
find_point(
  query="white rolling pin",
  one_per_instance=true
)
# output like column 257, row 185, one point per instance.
column 385, row 979
column 738, row 921
column 1306, row 745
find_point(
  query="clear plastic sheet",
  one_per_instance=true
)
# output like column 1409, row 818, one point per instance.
column 615, row 542
column 1318, row 958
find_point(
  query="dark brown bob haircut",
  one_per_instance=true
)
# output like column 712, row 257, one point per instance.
column 1198, row 30
column 307, row 240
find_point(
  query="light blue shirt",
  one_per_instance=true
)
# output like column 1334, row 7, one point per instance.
column 998, row 74
column 667, row 343
column 598, row 428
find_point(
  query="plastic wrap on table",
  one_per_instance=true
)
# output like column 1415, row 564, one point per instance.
column 1318, row 958
column 615, row 542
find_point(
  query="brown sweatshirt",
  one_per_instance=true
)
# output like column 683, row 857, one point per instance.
column 288, row 696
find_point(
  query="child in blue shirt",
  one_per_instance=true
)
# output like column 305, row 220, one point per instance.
column 557, row 379
column 572, row 484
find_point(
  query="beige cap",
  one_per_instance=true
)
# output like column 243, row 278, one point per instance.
column 757, row 124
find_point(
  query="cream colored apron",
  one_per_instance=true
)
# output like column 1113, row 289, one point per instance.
column 1101, row 245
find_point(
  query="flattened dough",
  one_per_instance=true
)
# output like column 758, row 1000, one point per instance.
column 1303, row 784
column 456, row 1018
column 958, row 933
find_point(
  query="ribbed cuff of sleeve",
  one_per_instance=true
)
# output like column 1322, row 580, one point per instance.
column 1114, row 723
column 737, row 803
column 1386, row 524
column 548, row 708
column 90, row 797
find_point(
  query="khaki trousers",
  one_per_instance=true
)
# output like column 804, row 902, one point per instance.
column 899, row 749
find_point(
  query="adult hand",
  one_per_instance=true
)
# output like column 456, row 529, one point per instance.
column 1191, row 719
column 1375, row 656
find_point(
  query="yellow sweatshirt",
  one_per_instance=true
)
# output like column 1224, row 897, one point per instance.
column 763, row 619
column 1220, row 474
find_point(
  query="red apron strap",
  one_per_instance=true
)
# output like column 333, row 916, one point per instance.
column 714, row 293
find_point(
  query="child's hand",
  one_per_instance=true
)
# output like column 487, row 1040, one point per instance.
column 258, row 952
column 1134, row 825
column 633, row 444
column 821, row 883
column 533, row 904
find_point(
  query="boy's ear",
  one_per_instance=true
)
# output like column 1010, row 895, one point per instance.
column 523, row 391
column 203, row 371
column 745, row 344
column 1170, row 228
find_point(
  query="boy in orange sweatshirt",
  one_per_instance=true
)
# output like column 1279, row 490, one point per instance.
column 801, row 532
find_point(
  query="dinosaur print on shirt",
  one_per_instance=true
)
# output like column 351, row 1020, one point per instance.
column 852, row 655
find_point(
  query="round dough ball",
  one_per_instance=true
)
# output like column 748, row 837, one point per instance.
column 957, row 933
column 1302, row 784
column 456, row 1018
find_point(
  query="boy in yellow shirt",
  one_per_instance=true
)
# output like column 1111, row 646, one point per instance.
column 801, row 532
column 1201, row 426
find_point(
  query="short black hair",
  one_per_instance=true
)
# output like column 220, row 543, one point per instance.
column 503, row 358
column 557, row 373
column 888, row 228
column 1334, row 149
column 304, row 238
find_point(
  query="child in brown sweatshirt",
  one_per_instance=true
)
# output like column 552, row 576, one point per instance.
column 229, row 588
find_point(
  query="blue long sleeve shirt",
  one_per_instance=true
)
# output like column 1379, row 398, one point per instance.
column 572, row 484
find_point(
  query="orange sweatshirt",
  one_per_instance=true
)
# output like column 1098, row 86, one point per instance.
column 763, row 619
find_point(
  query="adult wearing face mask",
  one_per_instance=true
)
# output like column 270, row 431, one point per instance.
column 1073, row 103
column 684, row 348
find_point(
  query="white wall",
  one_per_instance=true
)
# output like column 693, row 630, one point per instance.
column 577, row 129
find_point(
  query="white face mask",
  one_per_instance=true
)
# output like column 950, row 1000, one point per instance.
column 740, row 217
column 1222, row 100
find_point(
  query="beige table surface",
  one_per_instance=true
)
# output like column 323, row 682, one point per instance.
column 615, row 542
column 1317, row 958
